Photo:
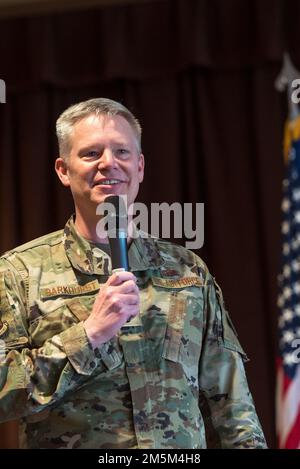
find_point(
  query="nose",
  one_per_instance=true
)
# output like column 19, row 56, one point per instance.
column 107, row 159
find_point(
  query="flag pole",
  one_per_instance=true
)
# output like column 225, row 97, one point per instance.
column 283, row 82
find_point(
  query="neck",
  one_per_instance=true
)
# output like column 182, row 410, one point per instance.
column 90, row 228
column 87, row 228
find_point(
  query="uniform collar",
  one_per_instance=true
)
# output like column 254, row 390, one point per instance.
column 89, row 258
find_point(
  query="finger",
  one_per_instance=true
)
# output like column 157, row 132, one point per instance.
column 131, row 312
column 129, row 286
column 128, row 300
column 118, row 278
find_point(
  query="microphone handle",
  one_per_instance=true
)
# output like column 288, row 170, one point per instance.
column 119, row 255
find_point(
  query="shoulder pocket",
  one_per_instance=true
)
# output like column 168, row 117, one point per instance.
column 230, row 336
column 12, row 331
column 224, row 328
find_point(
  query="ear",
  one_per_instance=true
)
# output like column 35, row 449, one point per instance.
column 141, row 167
column 61, row 169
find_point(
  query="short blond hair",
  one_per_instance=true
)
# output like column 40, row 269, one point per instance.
column 98, row 107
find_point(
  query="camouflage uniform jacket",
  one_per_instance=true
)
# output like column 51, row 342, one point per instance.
column 172, row 378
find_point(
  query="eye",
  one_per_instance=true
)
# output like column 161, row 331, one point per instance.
column 90, row 155
column 122, row 153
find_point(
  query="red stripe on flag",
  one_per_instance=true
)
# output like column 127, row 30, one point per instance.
column 286, row 379
column 293, row 438
column 286, row 384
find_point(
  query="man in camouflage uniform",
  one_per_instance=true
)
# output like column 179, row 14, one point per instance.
column 140, row 359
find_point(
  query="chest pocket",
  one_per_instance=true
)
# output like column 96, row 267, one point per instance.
column 184, row 330
column 49, row 320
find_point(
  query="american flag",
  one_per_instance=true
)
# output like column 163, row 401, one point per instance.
column 288, row 366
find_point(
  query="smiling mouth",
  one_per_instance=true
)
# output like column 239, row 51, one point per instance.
column 108, row 182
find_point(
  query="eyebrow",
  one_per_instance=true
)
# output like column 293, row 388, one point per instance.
column 99, row 146
column 88, row 148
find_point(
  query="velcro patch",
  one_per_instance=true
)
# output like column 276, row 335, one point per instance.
column 177, row 283
column 69, row 290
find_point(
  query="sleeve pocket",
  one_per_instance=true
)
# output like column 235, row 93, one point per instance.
column 230, row 339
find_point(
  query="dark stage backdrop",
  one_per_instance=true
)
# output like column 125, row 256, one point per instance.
column 200, row 75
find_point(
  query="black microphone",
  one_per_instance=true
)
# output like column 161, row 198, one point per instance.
column 117, row 232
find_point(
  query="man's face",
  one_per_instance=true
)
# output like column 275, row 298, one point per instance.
column 104, row 160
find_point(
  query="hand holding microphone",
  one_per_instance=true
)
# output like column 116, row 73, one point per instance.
column 118, row 299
